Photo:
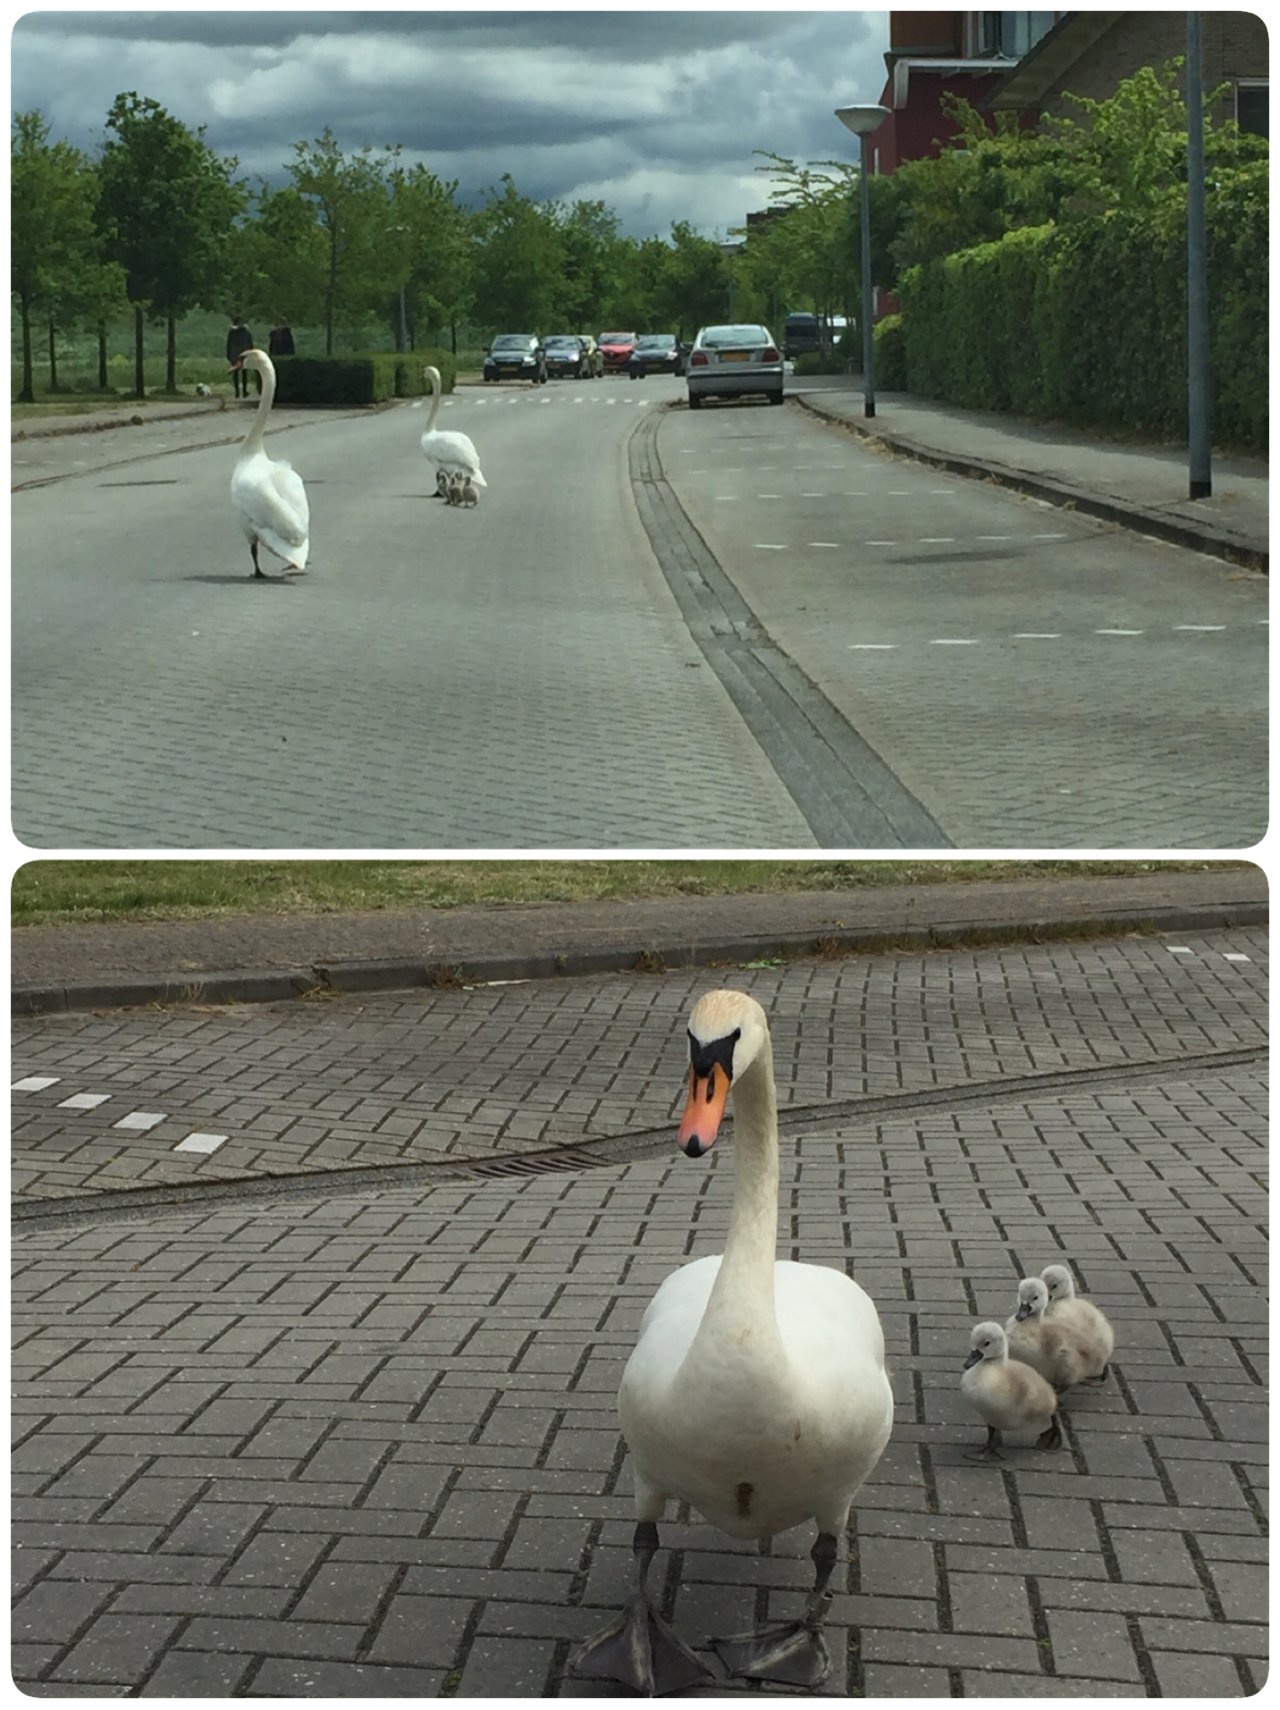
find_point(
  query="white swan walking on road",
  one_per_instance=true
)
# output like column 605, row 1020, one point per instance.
column 455, row 457
column 756, row 1391
column 269, row 497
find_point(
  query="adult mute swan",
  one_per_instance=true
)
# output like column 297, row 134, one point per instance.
column 1090, row 1325
column 1005, row 1393
column 456, row 459
column 756, row 1391
column 267, row 493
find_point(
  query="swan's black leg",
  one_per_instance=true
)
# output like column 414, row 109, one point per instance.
column 639, row 1649
column 257, row 568
column 990, row 1451
column 1052, row 1438
column 796, row 1652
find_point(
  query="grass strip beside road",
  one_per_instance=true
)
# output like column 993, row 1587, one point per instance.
column 63, row 893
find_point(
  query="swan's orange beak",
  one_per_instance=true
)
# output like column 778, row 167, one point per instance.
column 703, row 1110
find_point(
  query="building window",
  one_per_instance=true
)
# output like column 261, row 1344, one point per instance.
column 1011, row 34
column 1251, row 108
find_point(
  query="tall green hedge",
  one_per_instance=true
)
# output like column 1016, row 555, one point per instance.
column 344, row 382
column 1087, row 322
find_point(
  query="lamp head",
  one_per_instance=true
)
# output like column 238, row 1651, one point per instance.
column 862, row 120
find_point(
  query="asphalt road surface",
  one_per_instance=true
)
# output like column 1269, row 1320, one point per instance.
column 736, row 630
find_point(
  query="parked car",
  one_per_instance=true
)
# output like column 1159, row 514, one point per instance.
column 655, row 353
column 565, row 356
column 516, row 356
column 615, row 348
column 595, row 362
column 734, row 361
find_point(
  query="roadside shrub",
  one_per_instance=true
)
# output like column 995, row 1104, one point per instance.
column 348, row 382
column 889, row 354
column 1087, row 321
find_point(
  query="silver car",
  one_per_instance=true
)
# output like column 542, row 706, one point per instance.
column 733, row 361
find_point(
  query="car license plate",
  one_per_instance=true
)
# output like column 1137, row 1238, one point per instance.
column 735, row 356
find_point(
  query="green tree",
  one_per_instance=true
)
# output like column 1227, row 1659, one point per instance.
column 437, row 261
column 54, row 263
column 693, row 287
column 350, row 197
column 166, row 210
column 276, row 260
column 592, row 257
column 516, row 261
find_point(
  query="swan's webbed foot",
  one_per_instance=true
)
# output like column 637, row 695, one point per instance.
column 794, row 1652
column 990, row 1450
column 639, row 1649
column 1099, row 1378
column 1052, row 1438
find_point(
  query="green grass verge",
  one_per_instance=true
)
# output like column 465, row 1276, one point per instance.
column 61, row 893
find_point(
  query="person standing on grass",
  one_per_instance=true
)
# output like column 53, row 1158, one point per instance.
column 280, row 340
column 239, row 339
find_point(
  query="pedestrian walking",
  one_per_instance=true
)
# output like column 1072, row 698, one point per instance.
column 239, row 339
column 280, row 340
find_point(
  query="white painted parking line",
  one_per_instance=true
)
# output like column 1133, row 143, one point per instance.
column 879, row 543
column 1200, row 626
column 140, row 1119
column 937, row 540
column 994, row 537
column 832, row 545
column 84, row 1101
column 36, row 1083
column 872, row 646
column 952, row 641
column 201, row 1143
column 1118, row 632
column 765, row 546
column 1036, row 635
column 1048, row 537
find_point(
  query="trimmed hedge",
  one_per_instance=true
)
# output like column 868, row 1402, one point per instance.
column 346, row 382
column 889, row 354
column 1087, row 322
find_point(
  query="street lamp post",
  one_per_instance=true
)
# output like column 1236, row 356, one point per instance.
column 1198, row 439
column 862, row 121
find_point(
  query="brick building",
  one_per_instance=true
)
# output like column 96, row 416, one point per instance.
column 1089, row 53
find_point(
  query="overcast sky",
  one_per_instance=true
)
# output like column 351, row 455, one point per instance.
column 655, row 113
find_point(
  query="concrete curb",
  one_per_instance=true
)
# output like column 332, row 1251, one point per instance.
column 1180, row 531
column 275, row 985
column 99, row 424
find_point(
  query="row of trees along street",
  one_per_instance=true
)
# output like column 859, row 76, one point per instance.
column 161, row 224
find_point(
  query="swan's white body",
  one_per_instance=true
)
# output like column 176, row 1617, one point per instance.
column 761, row 1421
column 1054, row 1349
column 1080, row 1316
column 267, row 493
column 756, row 1391
column 456, row 459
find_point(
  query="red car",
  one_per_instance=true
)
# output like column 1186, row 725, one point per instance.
column 616, row 347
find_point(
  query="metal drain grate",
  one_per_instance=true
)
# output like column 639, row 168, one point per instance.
column 539, row 1163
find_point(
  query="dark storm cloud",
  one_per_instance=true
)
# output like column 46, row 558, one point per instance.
column 656, row 113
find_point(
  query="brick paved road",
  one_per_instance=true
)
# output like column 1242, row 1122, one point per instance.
column 363, row 1444
column 1035, row 678
column 513, row 676
column 426, row 1075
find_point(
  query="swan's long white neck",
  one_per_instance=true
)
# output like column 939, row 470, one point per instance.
column 740, row 1311
column 253, row 439
column 434, row 378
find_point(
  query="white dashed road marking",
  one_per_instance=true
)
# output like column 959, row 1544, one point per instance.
column 201, row 1142
column 36, row 1083
column 83, row 1101
column 140, row 1120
